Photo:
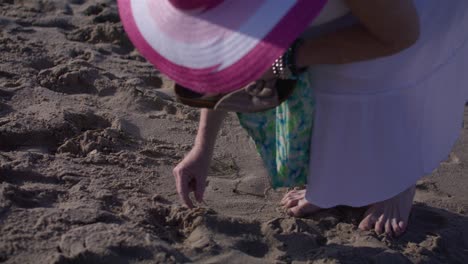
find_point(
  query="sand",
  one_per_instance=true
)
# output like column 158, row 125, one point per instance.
column 89, row 134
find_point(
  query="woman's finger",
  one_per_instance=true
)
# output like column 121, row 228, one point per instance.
column 182, row 185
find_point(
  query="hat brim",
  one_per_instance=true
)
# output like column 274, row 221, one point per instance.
column 217, row 50
column 241, row 100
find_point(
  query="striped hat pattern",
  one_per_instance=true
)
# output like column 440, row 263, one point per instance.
column 215, row 46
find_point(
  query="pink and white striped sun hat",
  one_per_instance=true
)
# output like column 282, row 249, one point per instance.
column 215, row 46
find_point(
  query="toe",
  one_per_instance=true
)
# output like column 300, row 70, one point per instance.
column 288, row 196
column 394, row 221
column 370, row 218
column 290, row 203
column 388, row 228
column 285, row 198
column 396, row 228
column 380, row 224
column 402, row 225
column 367, row 223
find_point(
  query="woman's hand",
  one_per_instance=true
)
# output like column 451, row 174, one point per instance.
column 190, row 175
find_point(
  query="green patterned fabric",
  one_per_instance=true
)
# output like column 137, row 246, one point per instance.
column 282, row 135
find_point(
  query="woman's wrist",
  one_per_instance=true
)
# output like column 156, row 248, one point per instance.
column 210, row 124
column 292, row 56
column 301, row 54
column 204, row 143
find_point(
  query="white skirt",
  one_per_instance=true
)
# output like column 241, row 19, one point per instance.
column 382, row 124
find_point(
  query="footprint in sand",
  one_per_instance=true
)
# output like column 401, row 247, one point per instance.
column 77, row 77
column 26, row 189
column 102, row 140
column 102, row 33
column 106, row 15
column 111, row 243
column 29, row 132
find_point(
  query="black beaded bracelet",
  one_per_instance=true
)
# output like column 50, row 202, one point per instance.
column 285, row 66
column 280, row 68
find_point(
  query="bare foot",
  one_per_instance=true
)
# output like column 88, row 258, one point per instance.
column 296, row 204
column 390, row 216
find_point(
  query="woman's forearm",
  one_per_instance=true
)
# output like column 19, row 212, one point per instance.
column 385, row 27
column 345, row 46
column 210, row 124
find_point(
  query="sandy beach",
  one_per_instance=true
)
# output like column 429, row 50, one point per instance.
column 90, row 133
